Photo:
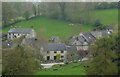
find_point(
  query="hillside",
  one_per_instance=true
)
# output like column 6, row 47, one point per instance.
column 62, row 29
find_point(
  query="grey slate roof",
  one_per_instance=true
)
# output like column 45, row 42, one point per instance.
column 72, row 48
column 105, row 33
column 96, row 34
column 55, row 47
column 89, row 37
column 21, row 31
column 54, row 38
column 71, row 41
column 81, row 39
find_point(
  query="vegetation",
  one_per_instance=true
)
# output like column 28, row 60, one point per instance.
column 62, row 28
column 20, row 58
column 82, row 13
column 67, row 69
column 104, row 52
column 64, row 20
column 18, row 61
column 51, row 27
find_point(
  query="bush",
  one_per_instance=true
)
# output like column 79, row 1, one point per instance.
column 66, row 62
column 19, row 19
column 97, row 23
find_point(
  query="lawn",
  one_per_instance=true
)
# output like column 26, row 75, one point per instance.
column 51, row 27
column 69, row 69
column 62, row 29
column 107, row 17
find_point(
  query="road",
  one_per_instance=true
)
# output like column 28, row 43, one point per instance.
column 49, row 65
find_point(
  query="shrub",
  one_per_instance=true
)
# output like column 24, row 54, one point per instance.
column 97, row 23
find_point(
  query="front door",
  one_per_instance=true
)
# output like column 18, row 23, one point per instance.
column 48, row 57
column 55, row 57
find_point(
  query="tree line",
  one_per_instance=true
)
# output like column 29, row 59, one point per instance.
column 79, row 12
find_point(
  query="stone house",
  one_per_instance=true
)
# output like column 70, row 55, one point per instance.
column 51, row 50
column 17, row 32
column 85, row 39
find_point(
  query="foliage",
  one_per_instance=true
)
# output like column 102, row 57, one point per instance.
column 58, row 57
column 103, row 55
column 21, row 58
column 97, row 23
column 75, row 12
column 82, row 53
column 106, row 5
column 26, row 14
column 18, row 61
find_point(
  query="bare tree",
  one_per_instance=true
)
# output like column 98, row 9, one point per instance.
column 62, row 8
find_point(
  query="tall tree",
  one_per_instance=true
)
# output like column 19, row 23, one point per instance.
column 35, row 9
column 62, row 8
column 103, row 55
column 7, row 13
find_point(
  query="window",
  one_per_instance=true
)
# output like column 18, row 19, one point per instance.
column 62, row 56
column 55, row 51
column 61, row 51
column 48, row 52
column 55, row 57
column 48, row 57
column 18, row 34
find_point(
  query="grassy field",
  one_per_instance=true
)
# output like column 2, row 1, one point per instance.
column 50, row 26
column 62, row 29
column 69, row 69
column 107, row 17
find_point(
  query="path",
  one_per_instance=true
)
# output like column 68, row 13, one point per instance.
column 49, row 65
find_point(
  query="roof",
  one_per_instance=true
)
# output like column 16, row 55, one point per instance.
column 89, row 37
column 96, row 34
column 105, row 33
column 54, row 38
column 55, row 47
column 110, row 27
column 81, row 39
column 72, row 48
column 22, row 31
column 71, row 41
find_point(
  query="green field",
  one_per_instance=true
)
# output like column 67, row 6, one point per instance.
column 107, row 17
column 50, row 26
column 69, row 69
column 62, row 29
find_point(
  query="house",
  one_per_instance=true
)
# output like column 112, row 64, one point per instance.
column 54, row 39
column 51, row 50
column 110, row 28
column 79, row 41
column 85, row 39
column 17, row 32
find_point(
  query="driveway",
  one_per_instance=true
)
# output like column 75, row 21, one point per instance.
column 49, row 65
